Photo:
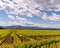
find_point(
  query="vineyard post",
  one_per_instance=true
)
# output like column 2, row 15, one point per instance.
column 49, row 45
column 55, row 44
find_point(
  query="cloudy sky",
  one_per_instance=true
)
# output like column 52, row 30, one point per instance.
column 41, row 13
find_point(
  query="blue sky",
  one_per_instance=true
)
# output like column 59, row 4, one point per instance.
column 41, row 13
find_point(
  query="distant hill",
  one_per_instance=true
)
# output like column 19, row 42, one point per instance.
column 29, row 27
column 1, row 27
column 21, row 27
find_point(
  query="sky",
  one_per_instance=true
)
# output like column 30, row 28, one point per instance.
column 40, row 13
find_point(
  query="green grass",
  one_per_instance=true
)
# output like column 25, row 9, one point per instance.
column 47, row 37
column 37, row 32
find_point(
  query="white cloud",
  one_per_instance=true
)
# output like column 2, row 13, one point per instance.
column 27, row 7
column 3, row 23
column 11, row 17
column 58, row 6
column 27, row 23
column 12, row 8
column 13, row 23
column 52, row 1
column 21, row 19
column 53, row 17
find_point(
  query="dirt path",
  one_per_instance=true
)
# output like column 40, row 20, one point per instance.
column 7, row 40
column 23, row 39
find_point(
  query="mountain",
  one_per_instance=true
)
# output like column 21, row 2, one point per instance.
column 29, row 27
column 1, row 27
column 21, row 27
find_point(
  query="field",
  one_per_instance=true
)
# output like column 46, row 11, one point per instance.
column 19, row 38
